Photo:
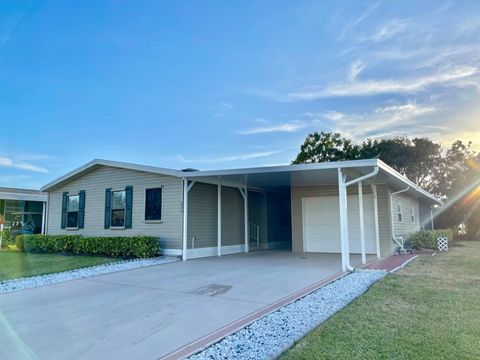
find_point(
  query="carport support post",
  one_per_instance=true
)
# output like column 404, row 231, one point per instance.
column 219, row 218
column 342, row 199
column 185, row 218
column 375, row 210
column 362, row 226
column 245, row 212
column 186, row 189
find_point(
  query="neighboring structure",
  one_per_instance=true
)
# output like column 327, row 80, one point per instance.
column 24, row 210
column 360, row 206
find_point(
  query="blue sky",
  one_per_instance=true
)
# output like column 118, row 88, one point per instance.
column 223, row 84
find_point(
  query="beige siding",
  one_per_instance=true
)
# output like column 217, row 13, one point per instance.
column 332, row 190
column 406, row 226
column 202, row 216
column 384, row 221
column 169, row 230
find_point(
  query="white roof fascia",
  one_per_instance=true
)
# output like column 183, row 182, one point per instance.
column 408, row 182
column 283, row 168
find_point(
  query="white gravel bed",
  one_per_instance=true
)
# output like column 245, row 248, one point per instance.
column 269, row 336
column 40, row 280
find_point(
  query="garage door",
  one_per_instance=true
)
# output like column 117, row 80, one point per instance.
column 321, row 224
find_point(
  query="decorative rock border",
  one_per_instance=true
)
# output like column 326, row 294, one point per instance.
column 269, row 336
column 41, row 280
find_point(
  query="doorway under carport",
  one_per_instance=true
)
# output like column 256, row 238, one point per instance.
column 269, row 218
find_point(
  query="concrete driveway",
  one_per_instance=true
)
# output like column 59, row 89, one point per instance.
column 147, row 313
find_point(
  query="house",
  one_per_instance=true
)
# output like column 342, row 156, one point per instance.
column 351, row 207
column 24, row 210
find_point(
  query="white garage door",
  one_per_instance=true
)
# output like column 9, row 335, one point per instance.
column 321, row 224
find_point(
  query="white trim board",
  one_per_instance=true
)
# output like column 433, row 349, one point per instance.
column 212, row 251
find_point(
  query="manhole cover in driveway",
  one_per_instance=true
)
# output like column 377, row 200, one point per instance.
column 212, row 290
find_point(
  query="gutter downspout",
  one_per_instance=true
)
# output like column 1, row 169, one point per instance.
column 344, row 185
column 391, row 211
column 431, row 217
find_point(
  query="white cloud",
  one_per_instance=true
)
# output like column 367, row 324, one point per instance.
column 387, row 30
column 356, row 68
column 22, row 165
column 286, row 127
column 379, row 121
column 238, row 157
column 355, row 22
column 334, row 115
column 453, row 77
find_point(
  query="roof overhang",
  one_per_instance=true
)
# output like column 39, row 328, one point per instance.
column 22, row 194
column 94, row 164
column 279, row 178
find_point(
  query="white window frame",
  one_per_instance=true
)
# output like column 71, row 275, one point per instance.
column 414, row 215
column 124, row 209
column 78, row 212
column 161, row 206
column 399, row 212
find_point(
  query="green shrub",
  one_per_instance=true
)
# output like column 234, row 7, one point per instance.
column 427, row 239
column 49, row 243
column 19, row 242
column 124, row 247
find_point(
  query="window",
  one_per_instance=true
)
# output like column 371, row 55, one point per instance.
column 73, row 205
column 118, row 208
column 413, row 215
column 153, row 204
column 399, row 212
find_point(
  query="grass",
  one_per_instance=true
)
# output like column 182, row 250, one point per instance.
column 428, row 310
column 15, row 264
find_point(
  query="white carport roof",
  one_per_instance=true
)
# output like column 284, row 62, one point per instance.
column 273, row 178
column 277, row 178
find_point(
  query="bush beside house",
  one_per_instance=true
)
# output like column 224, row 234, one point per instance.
column 124, row 247
column 427, row 239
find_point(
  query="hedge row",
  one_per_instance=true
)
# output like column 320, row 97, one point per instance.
column 427, row 239
column 124, row 247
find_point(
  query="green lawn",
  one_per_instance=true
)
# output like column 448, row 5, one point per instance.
column 428, row 310
column 15, row 264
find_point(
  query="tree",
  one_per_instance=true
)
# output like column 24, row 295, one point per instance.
column 325, row 147
column 417, row 159
column 452, row 174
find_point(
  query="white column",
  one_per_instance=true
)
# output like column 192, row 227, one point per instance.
column 362, row 226
column 343, row 219
column 43, row 216
column 431, row 218
column 245, row 212
column 219, row 218
column 375, row 210
column 185, row 218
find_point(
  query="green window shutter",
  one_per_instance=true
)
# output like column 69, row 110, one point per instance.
column 108, row 204
column 81, row 209
column 128, row 206
column 64, row 210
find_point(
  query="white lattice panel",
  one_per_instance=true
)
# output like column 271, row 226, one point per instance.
column 442, row 244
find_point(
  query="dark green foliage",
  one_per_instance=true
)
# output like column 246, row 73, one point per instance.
column 124, row 247
column 19, row 242
column 452, row 174
column 427, row 239
column 49, row 243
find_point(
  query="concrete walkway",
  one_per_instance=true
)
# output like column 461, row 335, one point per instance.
column 149, row 312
